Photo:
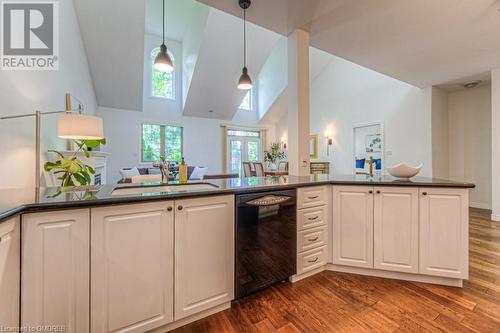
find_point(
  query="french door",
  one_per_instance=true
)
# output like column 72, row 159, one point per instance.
column 242, row 148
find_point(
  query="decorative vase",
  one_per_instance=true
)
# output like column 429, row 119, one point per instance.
column 273, row 166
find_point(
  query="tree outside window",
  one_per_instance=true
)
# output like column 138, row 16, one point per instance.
column 161, row 140
column 162, row 84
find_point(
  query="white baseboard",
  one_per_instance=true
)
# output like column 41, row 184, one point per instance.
column 302, row 276
column 193, row 318
column 495, row 217
column 480, row 205
column 443, row 281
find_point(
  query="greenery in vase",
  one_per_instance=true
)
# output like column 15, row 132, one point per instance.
column 70, row 170
column 274, row 154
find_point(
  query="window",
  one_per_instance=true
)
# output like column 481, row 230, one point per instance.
column 161, row 140
column 162, row 84
column 246, row 104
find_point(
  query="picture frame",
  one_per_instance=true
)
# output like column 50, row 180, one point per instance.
column 313, row 146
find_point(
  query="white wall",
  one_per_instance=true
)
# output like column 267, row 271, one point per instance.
column 469, row 113
column 24, row 92
column 273, row 77
column 202, row 136
column 440, row 134
column 495, row 144
column 191, row 46
column 346, row 94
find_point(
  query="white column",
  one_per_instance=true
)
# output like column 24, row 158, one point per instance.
column 298, row 103
column 495, row 144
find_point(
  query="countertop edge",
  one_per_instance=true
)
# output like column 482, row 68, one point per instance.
column 49, row 206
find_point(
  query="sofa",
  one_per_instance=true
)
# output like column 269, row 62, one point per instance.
column 156, row 171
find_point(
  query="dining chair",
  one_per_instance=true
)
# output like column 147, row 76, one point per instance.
column 247, row 169
column 259, row 169
column 283, row 166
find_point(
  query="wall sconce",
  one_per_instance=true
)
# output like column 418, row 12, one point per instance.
column 283, row 142
column 329, row 143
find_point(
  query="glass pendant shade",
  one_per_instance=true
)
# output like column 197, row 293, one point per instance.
column 245, row 82
column 163, row 62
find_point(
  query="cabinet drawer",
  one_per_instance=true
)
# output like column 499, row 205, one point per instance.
column 311, row 238
column 311, row 197
column 311, row 217
column 311, row 259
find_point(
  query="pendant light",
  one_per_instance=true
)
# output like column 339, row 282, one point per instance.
column 163, row 62
column 245, row 82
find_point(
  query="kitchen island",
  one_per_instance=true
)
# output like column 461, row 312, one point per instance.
column 135, row 258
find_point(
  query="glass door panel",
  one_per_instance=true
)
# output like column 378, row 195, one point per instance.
column 242, row 148
column 253, row 150
column 235, row 156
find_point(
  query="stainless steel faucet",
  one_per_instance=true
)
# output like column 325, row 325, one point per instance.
column 164, row 167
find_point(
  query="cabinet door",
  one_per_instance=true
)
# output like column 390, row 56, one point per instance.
column 55, row 269
column 10, row 251
column 444, row 232
column 204, row 254
column 353, row 226
column 396, row 229
column 132, row 267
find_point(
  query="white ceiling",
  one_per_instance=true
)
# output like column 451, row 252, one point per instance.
column 318, row 61
column 178, row 14
column 220, row 61
column 458, row 85
column 113, row 35
column 424, row 42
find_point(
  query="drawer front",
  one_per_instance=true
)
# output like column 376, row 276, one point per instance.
column 311, row 259
column 311, row 238
column 311, row 197
column 311, row 217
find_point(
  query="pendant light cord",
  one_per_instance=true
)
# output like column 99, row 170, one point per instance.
column 163, row 21
column 245, row 37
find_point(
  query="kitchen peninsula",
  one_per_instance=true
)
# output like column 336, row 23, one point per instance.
column 172, row 247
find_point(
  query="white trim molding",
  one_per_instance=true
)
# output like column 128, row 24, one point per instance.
column 495, row 217
column 480, row 205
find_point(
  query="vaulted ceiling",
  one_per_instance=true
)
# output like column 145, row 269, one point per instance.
column 113, row 35
column 424, row 42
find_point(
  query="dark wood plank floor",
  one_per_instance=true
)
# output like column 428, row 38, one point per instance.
column 337, row 302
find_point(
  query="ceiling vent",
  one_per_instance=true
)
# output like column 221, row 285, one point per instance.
column 472, row 84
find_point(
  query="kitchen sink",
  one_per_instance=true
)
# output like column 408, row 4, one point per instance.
column 148, row 189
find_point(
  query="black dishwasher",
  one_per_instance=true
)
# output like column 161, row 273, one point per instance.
column 266, row 239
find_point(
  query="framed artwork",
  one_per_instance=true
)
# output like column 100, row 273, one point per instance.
column 313, row 145
column 373, row 143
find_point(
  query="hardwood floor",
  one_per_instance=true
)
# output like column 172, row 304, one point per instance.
column 337, row 302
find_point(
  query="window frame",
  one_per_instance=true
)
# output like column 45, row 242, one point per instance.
column 250, row 102
column 162, row 139
column 153, row 51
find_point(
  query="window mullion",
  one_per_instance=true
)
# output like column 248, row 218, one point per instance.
column 163, row 151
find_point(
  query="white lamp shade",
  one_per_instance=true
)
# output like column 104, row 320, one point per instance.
column 80, row 127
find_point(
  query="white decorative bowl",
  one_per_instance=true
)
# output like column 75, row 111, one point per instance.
column 404, row 171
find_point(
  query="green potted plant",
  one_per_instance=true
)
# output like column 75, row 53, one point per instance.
column 273, row 155
column 70, row 170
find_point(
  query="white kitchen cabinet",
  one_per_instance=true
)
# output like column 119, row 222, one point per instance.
column 55, row 269
column 396, row 229
column 10, row 270
column 204, row 254
column 444, row 233
column 132, row 267
column 353, row 226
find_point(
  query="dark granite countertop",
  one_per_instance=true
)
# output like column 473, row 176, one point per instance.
column 17, row 201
